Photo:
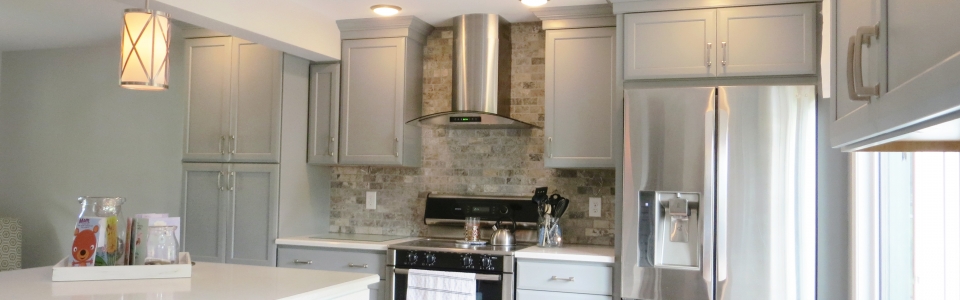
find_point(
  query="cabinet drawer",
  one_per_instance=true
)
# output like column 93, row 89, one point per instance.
column 356, row 261
column 540, row 295
column 554, row 276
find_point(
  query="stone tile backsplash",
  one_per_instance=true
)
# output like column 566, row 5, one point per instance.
column 474, row 161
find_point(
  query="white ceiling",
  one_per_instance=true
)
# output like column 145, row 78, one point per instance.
column 436, row 12
column 44, row 24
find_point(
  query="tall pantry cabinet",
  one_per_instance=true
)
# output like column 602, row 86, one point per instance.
column 231, row 153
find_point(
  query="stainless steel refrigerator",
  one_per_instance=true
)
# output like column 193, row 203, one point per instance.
column 719, row 193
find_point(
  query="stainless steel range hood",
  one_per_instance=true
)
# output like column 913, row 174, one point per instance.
column 481, row 76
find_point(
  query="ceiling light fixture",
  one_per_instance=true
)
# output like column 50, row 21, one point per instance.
column 145, row 49
column 385, row 10
column 534, row 2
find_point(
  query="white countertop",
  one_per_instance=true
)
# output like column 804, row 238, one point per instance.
column 579, row 253
column 307, row 241
column 209, row 281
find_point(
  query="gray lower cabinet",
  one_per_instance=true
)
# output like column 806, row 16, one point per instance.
column 230, row 212
column 580, row 105
column 233, row 101
column 340, row 260
column 537, row 279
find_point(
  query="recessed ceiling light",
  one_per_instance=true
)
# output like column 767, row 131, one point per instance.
column 385, row 10
column 534, row 2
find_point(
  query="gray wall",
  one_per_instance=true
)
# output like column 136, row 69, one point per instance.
column 67, row 130
column 304, row 189
column 833, row 244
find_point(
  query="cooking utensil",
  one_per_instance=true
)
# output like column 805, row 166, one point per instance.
column 562, row 207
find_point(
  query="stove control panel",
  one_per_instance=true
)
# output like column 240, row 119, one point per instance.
column 448, row 260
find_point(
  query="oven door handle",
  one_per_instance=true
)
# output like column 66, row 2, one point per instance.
column 480, row 277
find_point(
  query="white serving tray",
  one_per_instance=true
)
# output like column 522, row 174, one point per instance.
column 62, row 271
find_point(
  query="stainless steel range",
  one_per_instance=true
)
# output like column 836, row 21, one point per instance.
column 493, row 265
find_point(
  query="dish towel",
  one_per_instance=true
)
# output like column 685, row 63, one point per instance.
column 438, row 285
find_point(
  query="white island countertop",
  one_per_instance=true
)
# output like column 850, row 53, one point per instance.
column 344, row 242
column 209, row 281
column 577, row 253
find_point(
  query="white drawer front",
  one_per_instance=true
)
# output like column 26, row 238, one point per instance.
column 356, row 261
column 568, row 277
column 541, row 295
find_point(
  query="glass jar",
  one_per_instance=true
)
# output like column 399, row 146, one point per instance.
column 114, row 248
column 549, row 234
column 471, row 229
column 162, row 246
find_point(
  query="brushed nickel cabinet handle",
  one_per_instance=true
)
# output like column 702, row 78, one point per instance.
column 233, row 184
column 233, row 148
column 220, row 145
column 550, row 147
column 723, row 60
column 219, row 176
column 303, row 262
column 562, row 279
column 396, row 147
column 331, row 145
column 363, row 266
column 706, row 54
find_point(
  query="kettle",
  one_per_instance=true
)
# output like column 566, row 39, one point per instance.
column 502, row 236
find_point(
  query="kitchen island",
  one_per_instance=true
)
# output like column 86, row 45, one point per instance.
column 209, row 281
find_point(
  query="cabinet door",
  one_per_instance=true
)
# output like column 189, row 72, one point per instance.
column 920, row 35
column 580, row 84
column 203, row 214
column 208, row 98
column 255, row 106
column 767, row 40
column 324, row 122
column 252, row 217
column 371, row 115
column 677, row 44
column 851, row 15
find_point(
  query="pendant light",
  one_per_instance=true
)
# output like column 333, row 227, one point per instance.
column 145, row 49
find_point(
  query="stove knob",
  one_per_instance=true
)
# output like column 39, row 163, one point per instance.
column 412, row 258
column 431, row 258
column 467, row 261
column 487, row 263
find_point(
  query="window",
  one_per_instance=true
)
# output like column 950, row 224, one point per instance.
column 907, row 226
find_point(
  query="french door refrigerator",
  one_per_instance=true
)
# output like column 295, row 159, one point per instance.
column 719, row 193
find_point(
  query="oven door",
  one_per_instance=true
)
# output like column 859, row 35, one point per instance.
column 489, row 286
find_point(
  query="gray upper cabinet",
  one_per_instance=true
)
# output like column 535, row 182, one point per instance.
column 726, row 42
column 230, row 212
column 767, row 40
column 674, row 44
column 895, row 66
column 233, row 103
column 580, row 105
column 324, row 122
column 381, row 89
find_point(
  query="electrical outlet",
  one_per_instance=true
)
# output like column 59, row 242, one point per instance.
column 595, row 207
column 371, row 200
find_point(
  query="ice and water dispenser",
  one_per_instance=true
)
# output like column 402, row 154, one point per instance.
column 670, row 230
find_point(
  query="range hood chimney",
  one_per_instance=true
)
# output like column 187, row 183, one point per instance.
column 481, row 76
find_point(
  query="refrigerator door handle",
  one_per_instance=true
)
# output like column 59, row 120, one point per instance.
column 723, row 155
column 709, row 199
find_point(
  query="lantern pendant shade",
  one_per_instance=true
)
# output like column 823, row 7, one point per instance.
column 145, row 50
